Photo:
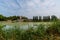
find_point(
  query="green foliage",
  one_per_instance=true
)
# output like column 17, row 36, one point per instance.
column 23, row 17
column 54, row 28
column 40, row 33
column 35, row 18
column 13, row 18
column 41, row 30
column 17, row 34
column 2, row 18
column 2, row 35
column 54, row 18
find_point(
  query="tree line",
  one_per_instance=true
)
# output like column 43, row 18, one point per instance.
column 12, row 18
column 35, row 18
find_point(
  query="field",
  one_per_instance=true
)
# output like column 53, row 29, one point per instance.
column 29, row 30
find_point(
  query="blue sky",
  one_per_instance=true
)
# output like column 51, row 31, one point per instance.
column 30, row 8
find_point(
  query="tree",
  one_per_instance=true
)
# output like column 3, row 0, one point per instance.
column 13, row 18
column 23, row 17
column 2, row 18
column 54, row 18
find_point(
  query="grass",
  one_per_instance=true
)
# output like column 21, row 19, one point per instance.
column 52, row 32
column 22, row 23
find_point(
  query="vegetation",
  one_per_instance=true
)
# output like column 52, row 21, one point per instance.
column 54, row 18
column 12, row 18
column 2, row 18
column 25, row 19
column 52, row 32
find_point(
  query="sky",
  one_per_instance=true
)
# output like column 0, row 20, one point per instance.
column 30, row 8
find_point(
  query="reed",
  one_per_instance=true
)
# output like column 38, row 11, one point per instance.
column 40, row 33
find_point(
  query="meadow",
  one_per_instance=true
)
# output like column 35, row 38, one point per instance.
column 30, row 31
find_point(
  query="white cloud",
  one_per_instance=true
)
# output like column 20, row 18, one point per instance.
column 31, row 7
column 38, row 7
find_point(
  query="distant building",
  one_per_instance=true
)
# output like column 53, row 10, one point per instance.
column 40, row 18
column 46, row 18
column 35, row 18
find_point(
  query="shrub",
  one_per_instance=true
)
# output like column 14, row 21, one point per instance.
column 41, row 33
column 2, row 35
column 54, row 28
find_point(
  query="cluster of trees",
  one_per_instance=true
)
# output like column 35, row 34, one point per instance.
column 3, row 18
column 45, row 18
column 12, row 18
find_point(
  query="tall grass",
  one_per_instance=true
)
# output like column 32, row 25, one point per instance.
column 40, row 33
column 54, row 31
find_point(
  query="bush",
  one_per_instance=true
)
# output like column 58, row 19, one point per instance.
column 2, row 35
column 54, row 28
